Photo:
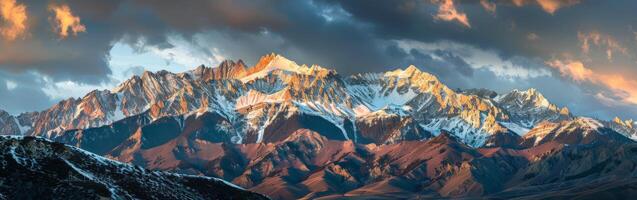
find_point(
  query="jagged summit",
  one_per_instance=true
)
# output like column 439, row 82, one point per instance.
column 580, row 130
column 274, row 62
column 228, row 69
column 411, row 72
column 626, row 127
column 529, row 107
column 630, row 123
column 526, row 97
column 403, row 73
column 9, row 125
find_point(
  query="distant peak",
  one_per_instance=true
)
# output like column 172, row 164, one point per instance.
column 408, row 72
column 412, row 69
column 589, row 123
column 268, row 58
column 240, row 62
column 272, row 60
column 275, row 62
column 529, row 92
column 530, row 95
column 627, row 123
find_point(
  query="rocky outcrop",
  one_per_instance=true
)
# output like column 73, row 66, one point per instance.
column 9, row 125
column 577, row 131
column 627, row 127
column 530, row 107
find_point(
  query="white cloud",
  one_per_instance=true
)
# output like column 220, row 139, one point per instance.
column 65, row 89
column 188, row 55
column 11, row 85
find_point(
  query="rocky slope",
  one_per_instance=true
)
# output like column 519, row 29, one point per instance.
column 627, row 127
column 530, row 107
column 578, row 131
column 35, row 168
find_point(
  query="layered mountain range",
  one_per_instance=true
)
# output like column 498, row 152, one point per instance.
column 297, row 131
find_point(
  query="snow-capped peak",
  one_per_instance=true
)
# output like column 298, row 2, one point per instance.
column 627, row 127
column 629, row 123
column 408, row 72
column 529, row 107
column 528, row 100
column 524, row 98
column 275, row 62
column 589, row 123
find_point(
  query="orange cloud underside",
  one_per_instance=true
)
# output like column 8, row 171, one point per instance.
column 549, row 6
column 65, row 22
column 488, row 5
column 447, row 12
column 621, row 86
column 14, row 18
column 600, row 40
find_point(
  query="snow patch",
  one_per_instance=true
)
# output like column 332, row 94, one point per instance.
column 23, row 129
column 520, row 130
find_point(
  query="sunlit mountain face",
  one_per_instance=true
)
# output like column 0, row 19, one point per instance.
column 429, row 99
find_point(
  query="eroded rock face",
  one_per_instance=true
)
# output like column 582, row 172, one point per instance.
column 9, row 125
column 530, row 107
column 37, row 168
column 386, row 128
column 627, row 127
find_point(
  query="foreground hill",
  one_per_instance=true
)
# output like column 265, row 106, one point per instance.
column 309, row 164
column 34, row 168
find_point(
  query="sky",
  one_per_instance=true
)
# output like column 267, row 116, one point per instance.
column 578, row 53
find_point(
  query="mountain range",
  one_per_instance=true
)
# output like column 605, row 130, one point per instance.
column 295, row 131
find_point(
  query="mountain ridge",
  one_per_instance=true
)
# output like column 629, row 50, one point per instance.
column 312, row 90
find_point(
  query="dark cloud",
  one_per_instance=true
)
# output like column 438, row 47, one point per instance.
column 351, row 36
column 452, row 69
column 506, row 31
column 455, row 62
column 25, row 95
column 84, row 57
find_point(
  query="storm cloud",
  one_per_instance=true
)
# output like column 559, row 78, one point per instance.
column 499, row 44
